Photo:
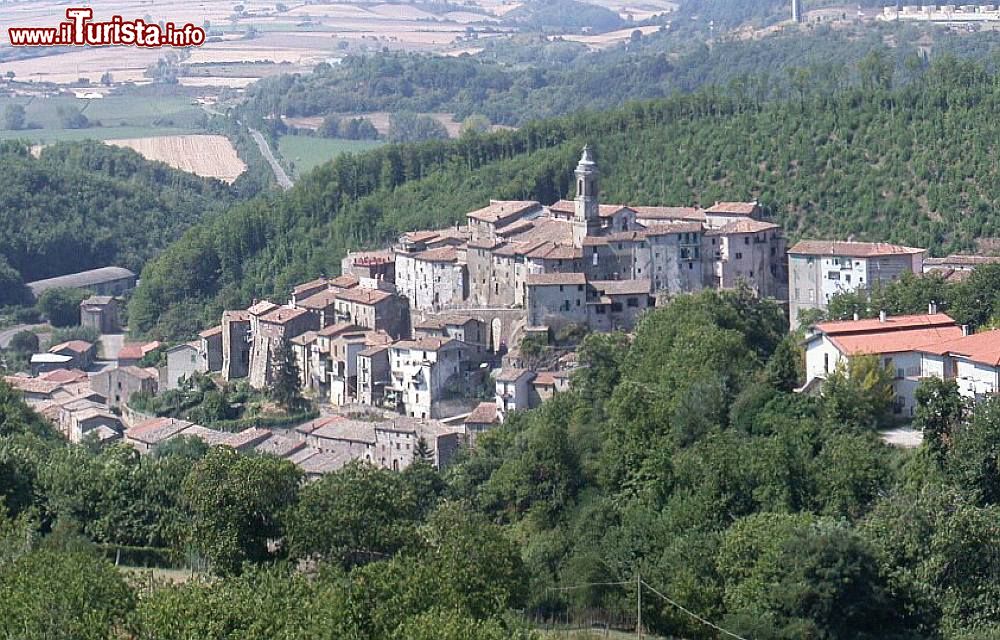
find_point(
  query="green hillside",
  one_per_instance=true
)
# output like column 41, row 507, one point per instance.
column 914, row 165
column 86, row 205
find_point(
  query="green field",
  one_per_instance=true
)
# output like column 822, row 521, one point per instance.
column 303, row 153
column 118, row 117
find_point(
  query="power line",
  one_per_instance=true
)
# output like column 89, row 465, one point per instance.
column 693, row 614
column 586, row 585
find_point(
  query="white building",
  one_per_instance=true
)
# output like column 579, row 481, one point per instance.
column 972, row 361
column 899, row 342
column 421, row 372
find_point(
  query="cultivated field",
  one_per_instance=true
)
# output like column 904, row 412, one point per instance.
column 204, row 155
column 306, row 152
column 379, row 119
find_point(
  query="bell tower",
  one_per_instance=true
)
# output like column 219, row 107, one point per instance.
column 587, row 220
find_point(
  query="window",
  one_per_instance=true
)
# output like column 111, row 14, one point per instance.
column 739, row 256
column 616, row 307
column 601, row 310
column 632, row 302
column 826, row 362
column 579, row 287
column 746, row 239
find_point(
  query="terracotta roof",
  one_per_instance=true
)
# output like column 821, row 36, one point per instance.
column 891, row 323
column 214, row 331
column 983, row 348
column 366, row 258
column 318, row 283
column 76, row 346
column 364, row 296
column 64, row 376
column 345, row 281
column 896, row 334
column 347, row 430
column 130, row 352
column 262, row 307
column 283, row 316
column 516, row 227
column 142, row 374
column 545, row 229
column 512, row 375
column 484, row 413
column 563, row 206
column 419, row 236
column 318, row 301
column 551, row 279
column 734, row 208
column 441, row 254
column 851, row 249
column 502, row 209
column 745, row 225
column 337, row 329
column 894, row 341
column 483, row 244
column 156, row 430
column 623, row 287
column 551, row 251
column 670, row 213
column 372, row 351
column 32, row 385
column 667, row 228
column 544, row 379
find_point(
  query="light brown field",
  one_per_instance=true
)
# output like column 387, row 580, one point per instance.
column 609, row 39
column 380, row 120
column 210, row 156
column 216, row 81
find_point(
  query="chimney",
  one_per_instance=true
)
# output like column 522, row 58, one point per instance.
column 932, row 308
column 856, row 317
column 882, row 316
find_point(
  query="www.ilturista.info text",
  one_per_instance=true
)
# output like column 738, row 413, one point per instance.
column 80, row 30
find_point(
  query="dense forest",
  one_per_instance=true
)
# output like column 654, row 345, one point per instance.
column 680, row 458
column 512, row 82
column 913, row 164
column 85, row 205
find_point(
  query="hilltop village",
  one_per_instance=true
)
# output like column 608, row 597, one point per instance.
column 417, row 348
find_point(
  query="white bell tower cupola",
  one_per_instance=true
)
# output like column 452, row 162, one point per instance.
column 587, row 219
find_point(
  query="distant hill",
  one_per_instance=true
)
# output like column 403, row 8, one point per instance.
column 563, row 15
column 831, row 160
column 85, row 205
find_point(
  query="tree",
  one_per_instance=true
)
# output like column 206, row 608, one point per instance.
column 14, row 117
column 423, row 452
column 786, row 367
column 330, row 128
column 62, row 596
column 859, row 392
column 940, row 410
column 973, row 459
column 24, row 342
column 353, row 516
column 237, row 504
column 358, row 129
column 287, row 387
column 72, row 118
column 405, row 126
column 107, row 79
column 61, row 306
column 476, row 123
column 12, row 289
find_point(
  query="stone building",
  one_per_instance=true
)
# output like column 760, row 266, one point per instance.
column 183, row 361
column 423, row 373
column 748, row 251
column 118, row 385
column 210, row 348
column 273, row 328
column 235, row 344
column 101, row 314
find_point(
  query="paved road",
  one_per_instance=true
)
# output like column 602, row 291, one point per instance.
column 279, row 172
column 8, row 334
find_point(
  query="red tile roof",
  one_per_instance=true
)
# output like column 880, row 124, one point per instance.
column 337, row 329
column 318, row 283
column 262, row 307
column 64, row 376
column 364, row 296
column 851, row 249
column 130, row 352
column 283, row 316
column 733, row 208
column 983, row 348
column 32, row 385
column 318, row 301
column 76, row 346
column 426, row 343
column 441, row 254
column 896, row 334
column 746, row 225
column 513, row 375
column 503, row 209
column 484, row 413
column 667, row 228
column 345, row 281
column 623, row 287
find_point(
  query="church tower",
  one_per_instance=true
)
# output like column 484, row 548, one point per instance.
column 587, row 220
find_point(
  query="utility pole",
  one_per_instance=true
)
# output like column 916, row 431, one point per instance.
column 638, row 605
